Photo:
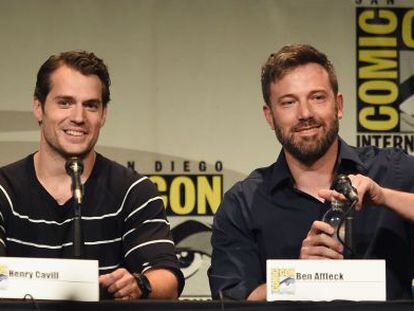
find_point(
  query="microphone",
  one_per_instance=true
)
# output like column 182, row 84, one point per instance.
column 344, row 186
column 74, row 168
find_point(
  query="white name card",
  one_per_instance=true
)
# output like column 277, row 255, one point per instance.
column 325, row 280
column 44, row 278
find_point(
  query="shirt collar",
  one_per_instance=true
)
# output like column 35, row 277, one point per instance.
column 280, row 173
column 348, row 162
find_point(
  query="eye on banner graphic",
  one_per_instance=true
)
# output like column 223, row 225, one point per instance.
column 192, row 192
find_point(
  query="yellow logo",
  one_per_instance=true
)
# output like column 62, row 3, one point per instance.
column 4, row 276
column 283, row 280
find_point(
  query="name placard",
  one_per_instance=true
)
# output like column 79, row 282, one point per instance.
column 44, row 278
column 326, row 280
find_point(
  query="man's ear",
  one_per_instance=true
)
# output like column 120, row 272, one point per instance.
column 267, row 111
column 37, row 110
column 340, row 104
column 104, row 114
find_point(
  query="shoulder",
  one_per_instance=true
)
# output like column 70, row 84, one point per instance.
column 255, row 181
column 121, row 179
column 391, row 167
column 15, row 179
column 17, row 167
column 114, row 172
column 241, row 196
column 16, row 174
column 373, row 151
column 112, row 168
column 371, row 155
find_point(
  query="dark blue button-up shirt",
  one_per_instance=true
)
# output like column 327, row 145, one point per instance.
column 265, row 217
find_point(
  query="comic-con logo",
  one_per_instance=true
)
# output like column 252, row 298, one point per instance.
column 283, row 281
column 193, row 192
column 385, row 77
column 4, row 276
column 195, row 189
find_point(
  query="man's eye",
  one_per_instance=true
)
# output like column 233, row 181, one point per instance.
column 319, row 97
column 92, row 106
column 63, row 103
column 287, row 102
column 190, row 261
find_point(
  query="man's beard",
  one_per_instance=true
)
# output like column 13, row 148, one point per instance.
column 309, row 149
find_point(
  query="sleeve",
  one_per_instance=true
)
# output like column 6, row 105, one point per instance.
column 2, row 233
column 147, row 240
column 403, row 169
column 3, row 214
column 236, row 268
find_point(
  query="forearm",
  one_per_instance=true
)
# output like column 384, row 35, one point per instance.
column 2, row 240
column 164, row 284
column 400, row 202
column 258, row 294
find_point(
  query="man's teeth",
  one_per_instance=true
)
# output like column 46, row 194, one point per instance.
column 74, row 133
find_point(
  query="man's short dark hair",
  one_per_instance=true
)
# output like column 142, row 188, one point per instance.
column 290, row 57
column 82, row 61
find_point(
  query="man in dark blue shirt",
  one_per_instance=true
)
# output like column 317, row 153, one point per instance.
column 276, row 211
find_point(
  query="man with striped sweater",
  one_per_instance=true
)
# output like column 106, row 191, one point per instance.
column 123, row 218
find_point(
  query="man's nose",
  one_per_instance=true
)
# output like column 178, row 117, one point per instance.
column 305, row 110
column 78, row 113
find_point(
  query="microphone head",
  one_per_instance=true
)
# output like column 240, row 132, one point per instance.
column 343, row 185
column 74, row 165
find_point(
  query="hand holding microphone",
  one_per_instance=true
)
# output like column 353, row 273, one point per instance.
column 333, row 236
column 341, row 218
column 357, row 189
column 344, row 186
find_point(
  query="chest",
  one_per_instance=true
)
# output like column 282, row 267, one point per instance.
column 37, row 211
column 39, row 227
column 282, row 220
column 58, row 189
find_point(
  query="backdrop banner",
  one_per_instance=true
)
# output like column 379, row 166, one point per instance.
column 186, row 104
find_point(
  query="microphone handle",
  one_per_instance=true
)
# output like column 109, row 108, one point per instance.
column 349, row 235
column 77, row 236
column 77, row 189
